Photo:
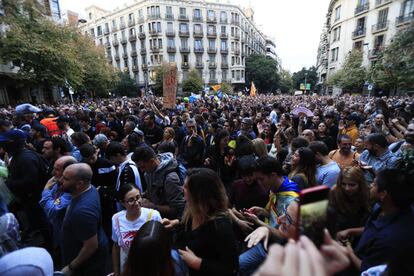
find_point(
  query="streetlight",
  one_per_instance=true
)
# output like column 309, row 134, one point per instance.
column 206, row 75
column 306, row 75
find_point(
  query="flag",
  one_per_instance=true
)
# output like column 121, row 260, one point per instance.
column 216, row 87
column 253, row 90
column 219, row 94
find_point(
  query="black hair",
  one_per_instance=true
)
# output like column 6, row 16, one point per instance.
column 87, row 150
column 124, row 189
column 268, row 165
column 319, row 147
column 377, row 139
column 247, row 164
column 61, row 144
column 220, row 134
column 113, row 149
column 398, row 186
column 80, row 138
column 299, row 142
column 144, row 154
column 166, row 146
column 244, row 146
column 341, row 137
column 133, row 141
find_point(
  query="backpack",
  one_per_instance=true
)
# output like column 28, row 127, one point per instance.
column 181, row 172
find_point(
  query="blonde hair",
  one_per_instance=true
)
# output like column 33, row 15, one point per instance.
column 260, row 148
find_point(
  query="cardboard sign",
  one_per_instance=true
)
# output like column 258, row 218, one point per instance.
column 170, row 86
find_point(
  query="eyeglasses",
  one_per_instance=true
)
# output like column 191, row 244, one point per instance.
column 132, row 200
column 285, row 215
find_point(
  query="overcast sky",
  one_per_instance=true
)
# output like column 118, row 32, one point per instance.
column 295, row 25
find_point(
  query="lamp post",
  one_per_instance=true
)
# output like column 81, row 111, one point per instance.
column 206, row 75
column 306, row 76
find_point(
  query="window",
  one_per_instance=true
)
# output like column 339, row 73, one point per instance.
column 212, row 75
column 223, row 29
column 132, row 32
column 211, row 44
column 211, row 29
column 141, row 28
column 223, row 16
column 199, row 59
column 92, row 32
column 182, row 12
column 360, row 29
column 184, row 43
column 113, row 23
column 140, row 13
column 197, row 13
column 170, row 43
column 338, row 13
column 171, row 58
column 197, row 28
column 160, row 43
column 198, row 44
column 168, row 10
column 382, row 16
column 99, row 30
column 334, row 56
column 337, row 34
column 170, row 27
column 379, row 42
column 408, row 8
column 183, row 28
column 185, row 58
column 224, row 73
column 131, row 17
column 55, row 9
column 223, row 45
column 211, row 14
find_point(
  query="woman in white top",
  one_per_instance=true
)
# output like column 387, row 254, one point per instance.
column 127, row 222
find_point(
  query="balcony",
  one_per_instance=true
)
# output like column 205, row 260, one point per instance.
column 236, row 37
column 212, row 20
column 171, row 49
column 224, row 51
column 183, row 17
column 213, row 81
column 132, row 38
column 224, row 36
column 107, row 44
column 237, row 51
column 117, row 57
column 134, row 68
column 199, row 65
column 154, row 16
column 143, row 51
column 212, row 65
column 197, row 19
column 223, row 21
column 144, row 67
column 361, row 8
column 198, row 34
column 373, row 54
column 115, row 42
column 243, row 53
column 131, row 22
column 154, row 33
column 106, row 31
column 212, row 35
column 404, row 19
column 141, row 36
column 359, row 32
column 184, row 33
column 124, row 55
column 184, row 50
column 122, row 25
column 155, row 49
column 235, row 22
column 224, row 65
column 379, row 27
column 170, row 33
column 169, row 17
column 212, row 50
column 379, row 3
column 141, row 20
column 185, row 65
column 198, row 50
column 114, row 28
column 134, row 53
column 123, row 40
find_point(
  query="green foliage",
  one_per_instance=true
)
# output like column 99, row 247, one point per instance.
column 395, row 65
column 125, row 86
column 263, row 72
column 351, row 77
column 158, row 79
column 226, row 88
column 299, row 77
column 286, row 82
column 47, row 54
column 194, row 83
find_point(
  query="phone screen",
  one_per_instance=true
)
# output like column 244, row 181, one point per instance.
column 313, row 207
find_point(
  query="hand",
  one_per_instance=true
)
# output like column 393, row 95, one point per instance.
column 169, row 223
column 50, row 183
column 245, row 226
column 190, row 258
column 251, row 217
column 336, row 256
column 342, row 235
column 207, row 162
column 341, row 125
column 258, row 211
column 67, row 271
column 147, row 204
column 260, row 234
column 395, row 122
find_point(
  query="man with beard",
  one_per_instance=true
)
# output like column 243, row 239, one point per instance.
column 84, row 243
column 344, row 156
column 377, row 156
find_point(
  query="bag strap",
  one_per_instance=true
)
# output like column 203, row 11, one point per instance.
column 149, row 216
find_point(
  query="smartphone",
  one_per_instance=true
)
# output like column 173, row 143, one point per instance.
column 312, row 210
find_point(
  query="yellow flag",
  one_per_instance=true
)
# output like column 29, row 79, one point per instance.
column 253, row 90
column 216, row 87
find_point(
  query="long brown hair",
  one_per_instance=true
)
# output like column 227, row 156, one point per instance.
column 306, row 167
column 355, row 204
column 206, row 195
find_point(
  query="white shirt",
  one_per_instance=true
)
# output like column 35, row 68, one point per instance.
column 123, row 230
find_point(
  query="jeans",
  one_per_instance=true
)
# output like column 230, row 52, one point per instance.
column 251, row 259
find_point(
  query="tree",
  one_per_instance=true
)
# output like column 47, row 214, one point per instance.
column 310, row 74
column 286, row 83
column 395, row 65
column 263, row 72
column 351, row 77
column 158, row 79
column 226, row 88
column 125, row 86
column 194, row 83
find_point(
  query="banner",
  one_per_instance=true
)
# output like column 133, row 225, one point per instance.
column 253, row 90
column 170, row 86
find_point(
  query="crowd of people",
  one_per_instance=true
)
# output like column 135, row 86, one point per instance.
column 211, row 187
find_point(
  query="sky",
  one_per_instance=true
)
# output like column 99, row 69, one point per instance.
column 295, row 25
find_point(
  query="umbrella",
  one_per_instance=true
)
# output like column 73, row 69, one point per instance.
column 27, row 108
column 302, row 110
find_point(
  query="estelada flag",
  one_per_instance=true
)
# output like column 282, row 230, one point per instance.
column 216, row 87
column 253, row 90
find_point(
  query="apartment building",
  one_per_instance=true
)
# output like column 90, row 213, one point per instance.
column 365, row 25
column 211, row 37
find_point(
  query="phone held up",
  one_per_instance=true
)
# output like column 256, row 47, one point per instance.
column 312, row 211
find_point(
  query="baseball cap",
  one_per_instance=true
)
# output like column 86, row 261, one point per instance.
column 12, row 135
column 247, row 121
